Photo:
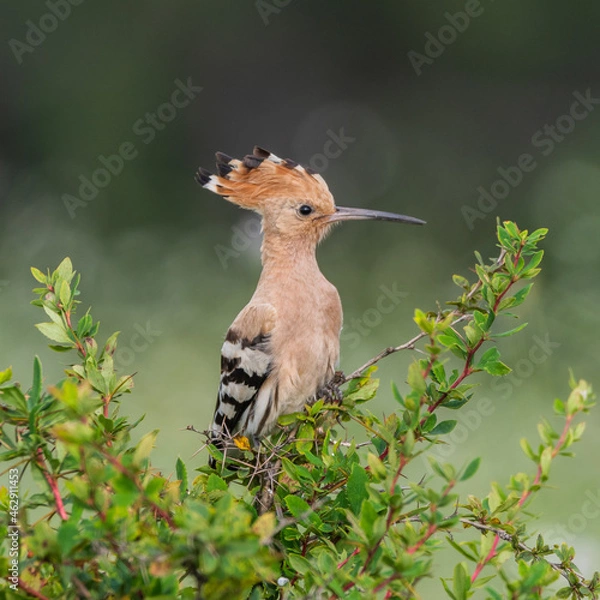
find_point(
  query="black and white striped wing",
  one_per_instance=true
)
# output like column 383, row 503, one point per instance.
column 245, row 365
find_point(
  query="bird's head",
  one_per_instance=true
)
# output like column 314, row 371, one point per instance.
column 294, row 201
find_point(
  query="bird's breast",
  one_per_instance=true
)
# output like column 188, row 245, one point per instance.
column 306, row 343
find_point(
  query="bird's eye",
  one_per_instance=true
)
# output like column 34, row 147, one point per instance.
column 305, row 210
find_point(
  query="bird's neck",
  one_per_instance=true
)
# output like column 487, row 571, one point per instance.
column 288, row 258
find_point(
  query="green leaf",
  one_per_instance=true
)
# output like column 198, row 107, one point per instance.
column 510, row 331
column 527, row 449
column 36, row 387
column 498, row 369
column 447, row 590
column 416, row 379
column 297, row 506
column 39, row 276
column 443, row 427
column 546, row 460
column 65, row 270
column 111, row 343
column 181, row 473
column 512, row 229
column 13, row 396
column 504, row 238
column 471, row 469
column 305, row 438
column 356, row 488
column 84, row 325
column 64, row 294
column 5, row 375
column 522, row 294
column 397, row 395
column 535, row 260
column 214, row 483
column 461, row 281
column 460, row 548
column 490, row 364
column 450, row 338
column 422, row 321
column 144, row 447
column 68, row 537
column 54, row 332
column 461, row 582
column 368, row 517
column 299, row 564
column 376, row 466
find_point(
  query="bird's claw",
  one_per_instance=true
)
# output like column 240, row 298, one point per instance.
column 331, row 391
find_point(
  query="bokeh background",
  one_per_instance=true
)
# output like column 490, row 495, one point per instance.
column 340, row 86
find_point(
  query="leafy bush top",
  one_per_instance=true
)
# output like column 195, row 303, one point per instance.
column 315, row 512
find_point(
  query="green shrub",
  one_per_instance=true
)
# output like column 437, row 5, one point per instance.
column 316, row 512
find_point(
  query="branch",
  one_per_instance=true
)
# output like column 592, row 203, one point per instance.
column 41, row 464
column 31, row 591
column 538, row 477
column 501, row 534
column 410, row 345
column 163, row 514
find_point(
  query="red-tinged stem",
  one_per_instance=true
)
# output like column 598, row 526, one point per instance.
column 403, row 463
column 343, row 563
column 389, row 523
column 467, row 370
column 31, row 591
column 486, row 560
column 105, row 404
column 79, row 345
column 538, row 478
column 430, row 531
column 512, row 281
column 60, row 507
column 555, row 451
column 386, row 582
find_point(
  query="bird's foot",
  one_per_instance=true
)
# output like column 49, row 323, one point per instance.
column 331, row 391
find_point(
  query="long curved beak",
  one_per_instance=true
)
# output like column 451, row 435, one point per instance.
column 343, row 213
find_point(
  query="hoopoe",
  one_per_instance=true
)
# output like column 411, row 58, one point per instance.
column 283, row 347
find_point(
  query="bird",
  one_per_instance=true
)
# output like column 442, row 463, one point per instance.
column 282, row 349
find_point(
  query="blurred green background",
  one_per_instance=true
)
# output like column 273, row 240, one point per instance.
column 418, row 125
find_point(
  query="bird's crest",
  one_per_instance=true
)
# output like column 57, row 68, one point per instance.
column 261, row 177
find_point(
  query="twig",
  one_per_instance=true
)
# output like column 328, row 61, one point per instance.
column 31, row 591
column 410, row 345
column 538, row 477
column 163, row 514
column 501, row 534
column 41, row 464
